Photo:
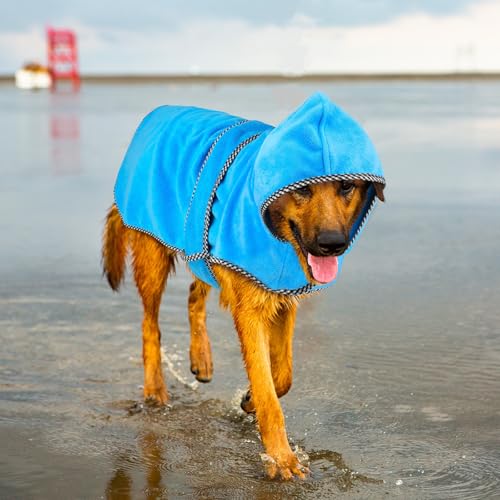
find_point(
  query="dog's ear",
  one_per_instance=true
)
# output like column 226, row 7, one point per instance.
column 379, row 190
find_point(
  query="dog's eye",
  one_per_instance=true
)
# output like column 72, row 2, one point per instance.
column 303, row 191
column 346, row 187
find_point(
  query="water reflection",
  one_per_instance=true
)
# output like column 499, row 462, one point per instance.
column 215, row 450
column 151, row 448
column 65, row 134
column 65, row 142
column 120, row 485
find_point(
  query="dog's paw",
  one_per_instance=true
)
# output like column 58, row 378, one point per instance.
column 247, row 403
column 156, row 395
column 200, row 355
column 286, row 467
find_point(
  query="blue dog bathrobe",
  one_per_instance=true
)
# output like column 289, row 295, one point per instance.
column 200, row 181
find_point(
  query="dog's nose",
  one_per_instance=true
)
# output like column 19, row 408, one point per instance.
column 330, row 242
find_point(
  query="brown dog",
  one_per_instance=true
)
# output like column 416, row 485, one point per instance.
column 315, row 219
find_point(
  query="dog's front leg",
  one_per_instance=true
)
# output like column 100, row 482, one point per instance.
column 280, row 351
column 254, row 334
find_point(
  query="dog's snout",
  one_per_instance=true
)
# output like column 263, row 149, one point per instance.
column 330, row 242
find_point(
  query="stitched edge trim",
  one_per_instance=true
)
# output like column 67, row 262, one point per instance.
column 210, row 269
column 205, row 254
column 284, row 291
column 220, row 178
column 207, row 156
column 195, row 256
column 362, row 223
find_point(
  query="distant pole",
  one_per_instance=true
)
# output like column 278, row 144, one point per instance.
column 63, row 56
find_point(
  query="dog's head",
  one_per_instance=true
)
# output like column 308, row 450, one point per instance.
column 318, row 220
column 315, row 178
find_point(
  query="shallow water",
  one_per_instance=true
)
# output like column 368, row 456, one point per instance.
column 396, row 367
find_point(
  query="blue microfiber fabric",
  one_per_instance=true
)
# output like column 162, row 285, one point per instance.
column 199, row 181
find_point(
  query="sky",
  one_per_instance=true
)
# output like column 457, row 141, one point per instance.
column 259, row 36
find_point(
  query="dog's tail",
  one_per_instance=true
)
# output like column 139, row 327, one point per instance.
column 114, row 248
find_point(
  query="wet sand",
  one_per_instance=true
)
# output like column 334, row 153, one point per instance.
column 396, row 367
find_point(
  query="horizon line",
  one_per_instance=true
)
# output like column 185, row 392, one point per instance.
column 276, row 77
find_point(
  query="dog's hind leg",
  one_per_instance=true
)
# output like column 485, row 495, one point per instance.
column 200, row 351
column 152, row 263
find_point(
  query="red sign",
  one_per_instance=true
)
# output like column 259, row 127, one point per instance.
column 63, row 56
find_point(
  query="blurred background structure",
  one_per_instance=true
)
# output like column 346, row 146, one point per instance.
column 62, row 56
column 62, row 63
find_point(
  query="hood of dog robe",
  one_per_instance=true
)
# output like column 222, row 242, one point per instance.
column 200, row 181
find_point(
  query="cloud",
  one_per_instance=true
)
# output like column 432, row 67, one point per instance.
column 165, row 15
column 464, row 40
column 20, row 47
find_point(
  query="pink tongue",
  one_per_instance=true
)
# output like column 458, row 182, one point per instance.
column 324, row 269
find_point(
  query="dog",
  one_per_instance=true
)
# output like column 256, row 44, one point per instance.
column 266, row 214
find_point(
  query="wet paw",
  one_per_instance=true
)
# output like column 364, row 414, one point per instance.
column 285, row 468
column 246, row 403
column 202, row 375
column 155, row 395
column 201, row 363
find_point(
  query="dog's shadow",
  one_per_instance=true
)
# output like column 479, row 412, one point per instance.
column 212, row 451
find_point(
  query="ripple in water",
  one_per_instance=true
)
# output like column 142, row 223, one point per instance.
column 441, row 473
column 467, row 477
